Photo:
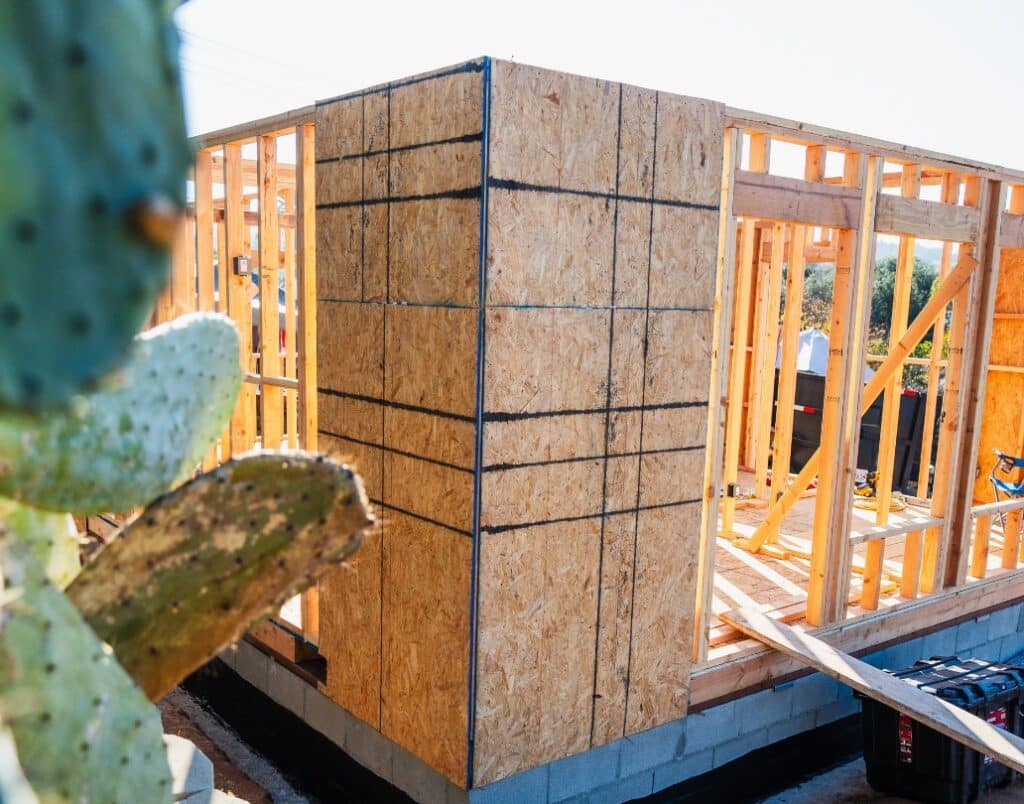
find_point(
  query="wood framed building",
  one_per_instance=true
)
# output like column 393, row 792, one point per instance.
column 548, row 311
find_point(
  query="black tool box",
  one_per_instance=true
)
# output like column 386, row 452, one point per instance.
column 905, row 758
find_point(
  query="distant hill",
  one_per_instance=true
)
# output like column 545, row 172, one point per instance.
column 930, row 255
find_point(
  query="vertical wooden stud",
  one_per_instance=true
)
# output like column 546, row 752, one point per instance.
column 236, row 290
column 713, row 462
column 954, row 551
column 830, row 551
column 891, row 397
column 305, row 248
column 271, row 403
column 979, row 550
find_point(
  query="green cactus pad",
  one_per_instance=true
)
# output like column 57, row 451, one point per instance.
column 94, row 153
column 52, row 538
column 201, row 564
column 121, row 447
column 83, row 730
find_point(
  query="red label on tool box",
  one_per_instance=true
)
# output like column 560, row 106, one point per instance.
column 997, row 717
column 906, row 733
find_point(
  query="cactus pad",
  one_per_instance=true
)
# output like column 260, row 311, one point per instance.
column 83, row 730
column 121, row 447
column 52, row 538
column 93, row 151
column 204, row 562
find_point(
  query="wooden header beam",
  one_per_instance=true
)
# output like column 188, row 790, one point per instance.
column 928, row 219
column 804, row 133
column 759, row 195
column 282, row 123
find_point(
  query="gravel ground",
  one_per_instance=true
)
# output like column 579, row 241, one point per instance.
column 848, row 784
column 237, row 769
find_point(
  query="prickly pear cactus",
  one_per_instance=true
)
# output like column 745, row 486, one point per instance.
column 119, row 448
column 94, row 153
column 207, row 560
column 52, row 538
column 84, row 731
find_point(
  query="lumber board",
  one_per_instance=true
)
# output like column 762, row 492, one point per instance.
column 766, row 349
column 904, row 276
column 1011, row 230
column 306, row 282
column 882, row 532
column 718, row 399
column 976, row 362
column 830, row 552
column 272, row 398
column 805, row 133
column 947, row 289
column 931, row 220
column 955, row 723
column 950, row 194
column 760, row 195
column 748, row 666
column 737, row 373
column 249, row 130
column 236, row 290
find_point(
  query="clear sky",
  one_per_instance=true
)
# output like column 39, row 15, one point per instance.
column 945, row 75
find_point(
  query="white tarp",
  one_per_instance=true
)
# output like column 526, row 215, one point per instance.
column 812, row 354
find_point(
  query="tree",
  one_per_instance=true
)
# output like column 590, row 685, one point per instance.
column 921, row 286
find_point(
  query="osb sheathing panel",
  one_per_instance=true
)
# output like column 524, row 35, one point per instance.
column 441, row 108
column 431, row 358
column 449, row 441
column 426, row 642
column 557, row 438
column 554, row 129
column 350, row 628
column 1002, row 426
column 614, row 622
column 438, row 493
column 663, row 599
column 349, row 347
column 398, row 185
column 535, row 656
column 541, row 493
column 434, row 251
column 599, row 284
column 550, row 245
column 598, row 336
column 542, row 360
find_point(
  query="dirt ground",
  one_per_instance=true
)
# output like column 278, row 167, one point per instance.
column 226, row 776
column 848, row 784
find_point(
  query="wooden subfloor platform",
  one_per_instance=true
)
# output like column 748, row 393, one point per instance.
column 778, row 587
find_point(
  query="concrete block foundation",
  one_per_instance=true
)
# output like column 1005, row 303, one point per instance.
column 641, row 764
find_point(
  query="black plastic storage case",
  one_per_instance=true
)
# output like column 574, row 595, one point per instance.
column 905, row 758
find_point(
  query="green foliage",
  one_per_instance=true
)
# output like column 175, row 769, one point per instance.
column 120, row 447
column 922, row 285
column 83, row 729
column 207, row 560
column 93, row 153
column 817, row 307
